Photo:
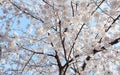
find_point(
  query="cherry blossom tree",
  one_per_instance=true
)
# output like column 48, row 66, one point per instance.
column 59, row 37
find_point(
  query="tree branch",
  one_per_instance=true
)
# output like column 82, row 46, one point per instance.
column 27, row 62
column 48, row 4
column 58, row 60
column 75, row 41
column 97, row 7
column 114, row 20
column 75, row 69
column 35, row 51
column 115, row 41
column 26, row 12
column 72, row 9
column 62, row 40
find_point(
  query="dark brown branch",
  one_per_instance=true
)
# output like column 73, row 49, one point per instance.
column 58, row 60
column 97, row 7
column 72, row 9
column 75, row 41
column 66, row 29
column 26, row 12
column 96, row 51
column 75, row 69
column 108, row 28
column 79, row 31
column 72, row 59
column 88, row 58
column 66, row 65
column 0, row 52
column 101, row 49
column 48, row 4
column 27, row 62
column 96, row 36
column 63, row 44
column 76, row 6
column 35, row 51
column 100, row 40
column 115, row 41
column 114, row 20
column 83, row 66
column 59, row 63
column 54, row 28
column 65, row 69
column 46, row 65
column 62, row 40
column 52, row 44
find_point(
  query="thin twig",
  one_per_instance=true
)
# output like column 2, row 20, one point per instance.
column 27, row 62
column 114, row 20
column 26, row 12
column 48, row 4
column 72, row 9
column 62, row 39
column 75, row 40
column 35, row 51
column 97, row 7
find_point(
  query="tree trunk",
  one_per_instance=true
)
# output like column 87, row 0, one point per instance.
column 62, row 71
